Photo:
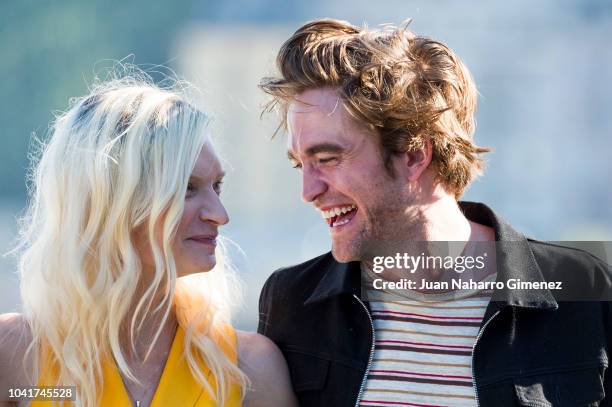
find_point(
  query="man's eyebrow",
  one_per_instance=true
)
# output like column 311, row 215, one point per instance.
column 318, row 148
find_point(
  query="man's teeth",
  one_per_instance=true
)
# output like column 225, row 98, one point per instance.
column 340, row 222
column 337, row 211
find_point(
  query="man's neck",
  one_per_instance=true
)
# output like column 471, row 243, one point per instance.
column 442, row 220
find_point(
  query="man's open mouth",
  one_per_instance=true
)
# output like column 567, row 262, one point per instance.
column 339, row 215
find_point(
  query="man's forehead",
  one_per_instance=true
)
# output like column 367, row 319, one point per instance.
column 309, row 134
column 317, row 117
column 325, row 101
column 318, row 121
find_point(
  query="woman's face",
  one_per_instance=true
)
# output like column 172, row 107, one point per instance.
column 196, row 237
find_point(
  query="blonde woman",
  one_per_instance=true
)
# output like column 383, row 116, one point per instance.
column 125, row 294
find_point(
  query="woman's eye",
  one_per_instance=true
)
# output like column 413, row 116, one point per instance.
column 217, row 187
column 190, row 189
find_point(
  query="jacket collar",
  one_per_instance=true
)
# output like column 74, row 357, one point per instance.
column 339, row 278
column 514, row 260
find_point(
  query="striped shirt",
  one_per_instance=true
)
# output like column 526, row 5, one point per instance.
column 423, row 351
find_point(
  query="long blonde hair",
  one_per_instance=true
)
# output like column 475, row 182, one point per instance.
column 119, row 157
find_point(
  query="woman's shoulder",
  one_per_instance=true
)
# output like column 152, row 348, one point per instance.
column 264, row 364
column 260, row 354
column 15, row 337
column 255, row 348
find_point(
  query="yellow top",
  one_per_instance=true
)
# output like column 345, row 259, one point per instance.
column 177, row 387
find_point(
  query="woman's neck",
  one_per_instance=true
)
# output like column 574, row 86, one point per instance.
column 157, row 325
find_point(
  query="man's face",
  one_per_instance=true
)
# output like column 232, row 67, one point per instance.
column 343, row 174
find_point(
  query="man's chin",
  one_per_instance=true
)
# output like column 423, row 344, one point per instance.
column 344, row 254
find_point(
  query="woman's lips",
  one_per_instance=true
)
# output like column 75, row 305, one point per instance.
column 208, row 240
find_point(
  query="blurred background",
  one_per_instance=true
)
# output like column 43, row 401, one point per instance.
column 543, row 69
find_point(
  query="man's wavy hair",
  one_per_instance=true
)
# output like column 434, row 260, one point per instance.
column 406, row 89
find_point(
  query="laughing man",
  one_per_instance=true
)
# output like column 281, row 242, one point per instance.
column 380, row 125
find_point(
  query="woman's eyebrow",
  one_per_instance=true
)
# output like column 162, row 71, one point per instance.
column 221, row 174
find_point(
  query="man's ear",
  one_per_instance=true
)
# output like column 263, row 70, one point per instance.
column 416, row 162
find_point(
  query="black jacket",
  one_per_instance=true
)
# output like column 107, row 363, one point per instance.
column 532, row 349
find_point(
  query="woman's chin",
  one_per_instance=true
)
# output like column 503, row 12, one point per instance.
column 201, row 267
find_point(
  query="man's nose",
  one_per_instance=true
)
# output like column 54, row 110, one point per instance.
column 312, row 184
column 214, row 211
